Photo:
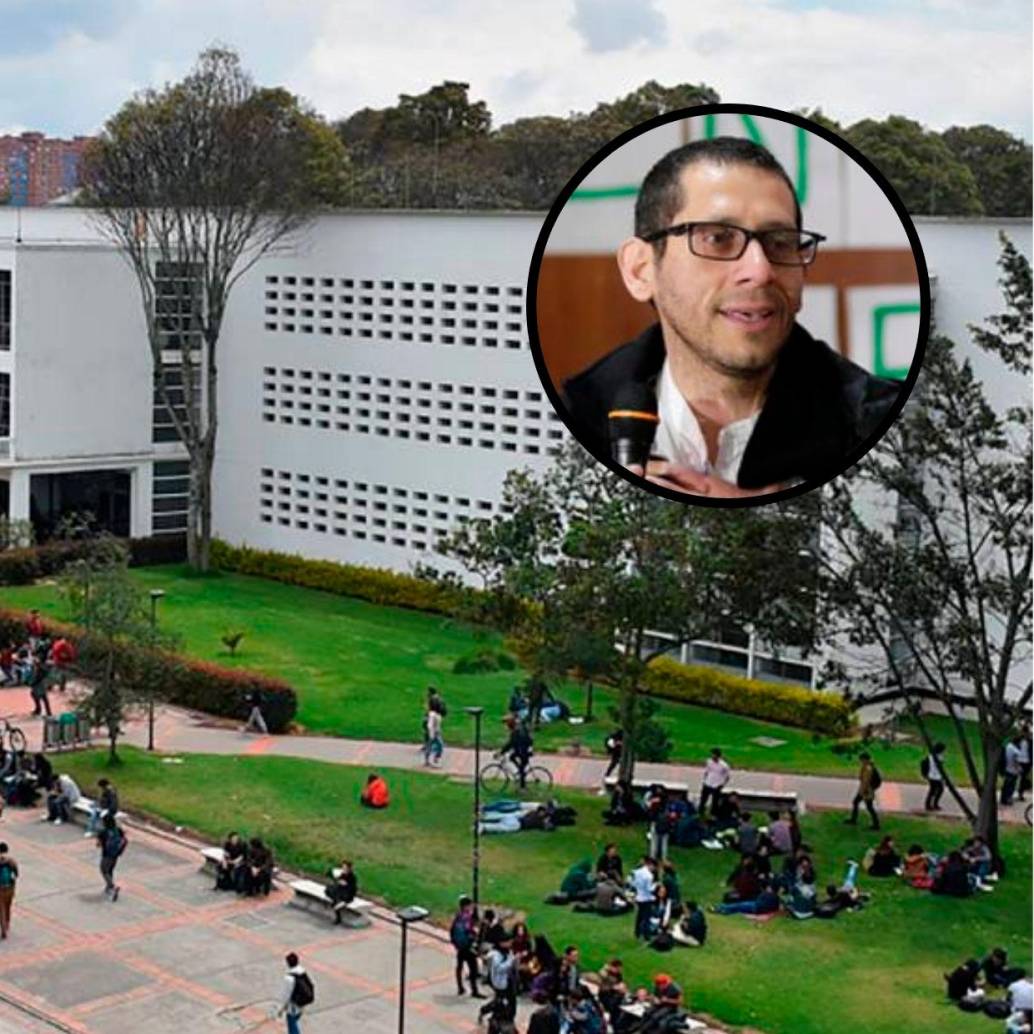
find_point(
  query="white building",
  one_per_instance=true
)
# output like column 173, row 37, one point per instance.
column 375, row 379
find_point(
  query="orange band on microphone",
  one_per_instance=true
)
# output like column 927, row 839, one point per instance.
column 636, row 414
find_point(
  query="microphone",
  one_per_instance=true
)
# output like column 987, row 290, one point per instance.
column 633, row 422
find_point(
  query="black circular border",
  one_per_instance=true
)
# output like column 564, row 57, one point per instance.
column 698, row 112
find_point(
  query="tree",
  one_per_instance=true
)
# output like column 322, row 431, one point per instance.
column 119, row 641
column 919, row 165
column 1001, row 166
column 581, row 549
column 937, row 585
column 194, row 183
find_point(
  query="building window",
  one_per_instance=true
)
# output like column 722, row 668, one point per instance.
column 5, row 405
column 5, row 309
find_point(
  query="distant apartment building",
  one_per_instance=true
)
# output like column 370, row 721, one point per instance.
column 35, row 169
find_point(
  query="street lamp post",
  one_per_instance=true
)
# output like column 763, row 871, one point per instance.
column 156, row 595
column 476, row 713
column 413, row 914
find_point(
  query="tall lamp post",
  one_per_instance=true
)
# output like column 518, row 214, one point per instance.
column 476, row 713
column 413, row 914
column 156, row 595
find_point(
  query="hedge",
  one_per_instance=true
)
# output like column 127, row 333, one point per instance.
column 825, row 713
column 199, row 685
column 386, row 588
column 27, row 565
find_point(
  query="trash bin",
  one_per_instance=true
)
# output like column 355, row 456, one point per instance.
column 51, row 733
column 83, row 729
column 68, row 722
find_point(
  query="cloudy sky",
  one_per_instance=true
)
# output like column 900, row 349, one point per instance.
column 66, row 65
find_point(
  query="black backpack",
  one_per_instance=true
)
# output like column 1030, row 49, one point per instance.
column 877, row 779
column 924, row 768
column 303, row 993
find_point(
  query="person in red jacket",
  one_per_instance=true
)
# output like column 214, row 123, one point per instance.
column 62, row 656
column 375, row 793
column 34, row 627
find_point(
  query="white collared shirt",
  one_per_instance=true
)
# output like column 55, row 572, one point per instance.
column 680, row 440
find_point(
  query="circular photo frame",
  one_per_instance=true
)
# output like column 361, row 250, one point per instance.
column 728, row 305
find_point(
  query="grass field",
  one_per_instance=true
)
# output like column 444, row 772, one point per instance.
column 361, row 671
column 874, row 972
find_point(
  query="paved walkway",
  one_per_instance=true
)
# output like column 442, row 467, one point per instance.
column 179, row 731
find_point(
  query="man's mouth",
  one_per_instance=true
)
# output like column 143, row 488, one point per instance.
column 751, row 317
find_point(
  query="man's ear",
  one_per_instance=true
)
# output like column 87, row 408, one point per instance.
column 637, row 263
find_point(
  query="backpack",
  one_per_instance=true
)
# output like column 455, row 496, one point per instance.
column 877, row 779
column 924, row 768
column 997, row 1009
column 460, row 933
column 6, row 874
column 303, row 993
column 663, row 941
column 114, row 843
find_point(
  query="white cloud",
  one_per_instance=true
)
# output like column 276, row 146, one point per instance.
column 532, row 58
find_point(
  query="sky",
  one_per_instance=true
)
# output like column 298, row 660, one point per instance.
column 67, row 65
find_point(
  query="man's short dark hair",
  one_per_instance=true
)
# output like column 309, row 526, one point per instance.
column 660, row 196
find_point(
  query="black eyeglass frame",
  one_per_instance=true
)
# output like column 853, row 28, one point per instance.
column 749, row 235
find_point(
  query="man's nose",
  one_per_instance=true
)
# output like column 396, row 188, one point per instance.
column 753, row 265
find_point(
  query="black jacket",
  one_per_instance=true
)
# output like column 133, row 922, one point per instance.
column 820, row 406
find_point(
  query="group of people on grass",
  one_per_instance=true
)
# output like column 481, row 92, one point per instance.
column 974, row 985
column 37, row 662
column 507, row 961
column 957, row 873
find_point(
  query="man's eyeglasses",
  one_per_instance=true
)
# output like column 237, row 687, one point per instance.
column 726, row 243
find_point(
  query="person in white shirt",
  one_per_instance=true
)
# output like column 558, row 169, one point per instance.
column 502, row 978
column 289, row 1005
column 1013, row 769
column 433, row 744
column 1025, row 760
column 63, row 794
column 716, row 776
column 934, row 773
column 644, row 886
column 1021, row 995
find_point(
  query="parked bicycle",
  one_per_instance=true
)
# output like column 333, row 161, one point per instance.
column 501, row 777
column 11, row 737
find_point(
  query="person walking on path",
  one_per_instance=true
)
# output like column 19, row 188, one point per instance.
column 433, row 744
column 463, row 935
column 38, row 689
column 1013, row 768
column 869, row 781
column 112, row 842
column 932, row 769
column 256, row 720
column 107, row 804
column 296, row 993
column 614, row 744
column 717, row 774
column 8, row 878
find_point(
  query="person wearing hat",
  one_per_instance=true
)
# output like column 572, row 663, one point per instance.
column 667, row 1005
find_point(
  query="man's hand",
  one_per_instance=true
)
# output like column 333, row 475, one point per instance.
column 682, row 479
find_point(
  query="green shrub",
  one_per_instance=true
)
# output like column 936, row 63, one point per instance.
column 24, row 566
column 826, row 713
column 366, row 583
column 199, row 685
column 483, row 660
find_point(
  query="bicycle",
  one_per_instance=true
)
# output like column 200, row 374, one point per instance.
column 498, row 777
column 14, row 737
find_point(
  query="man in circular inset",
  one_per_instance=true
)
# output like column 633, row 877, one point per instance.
column 747, row 401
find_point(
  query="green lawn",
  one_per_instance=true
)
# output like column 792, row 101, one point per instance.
column 875, row 972
column 361, row 671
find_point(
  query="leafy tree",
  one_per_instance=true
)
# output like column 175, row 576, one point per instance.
column 647, row 102
column 580, row 550
column 920, row 166
column 194, row 183
column 1001, row 166
column 119, row 638
column 936, row 587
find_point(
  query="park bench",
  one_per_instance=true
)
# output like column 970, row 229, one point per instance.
column 640, row 786
column 211, row 859
column 84, row 806
column 309, row 892
column 752, row 800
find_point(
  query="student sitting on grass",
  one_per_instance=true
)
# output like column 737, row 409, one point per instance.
column 691, row 929
column 744, row 881
column 375, row 793
column 802, row 897
column 609, row 899
column 624, row 808
column 229, row 873
column 766, row 902
column 884, row 860
column 964, row 984
column 747, row 835
column 342, row 889
column 780, row 833
column 609, row 865
column 953, row 878
column 578, row 884
column 978, row 857
column 916, row 867
column 998, row 972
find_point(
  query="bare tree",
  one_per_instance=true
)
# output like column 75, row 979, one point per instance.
column 194, row 183
column 935, row 583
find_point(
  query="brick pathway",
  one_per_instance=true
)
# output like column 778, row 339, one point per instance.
column 173, row 955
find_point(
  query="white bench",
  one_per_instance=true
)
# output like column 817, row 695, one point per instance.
column 84, row 806
column 642, row 785
column 211, row 859
column 768, row 800
column 309, row 892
